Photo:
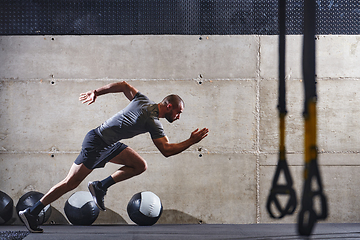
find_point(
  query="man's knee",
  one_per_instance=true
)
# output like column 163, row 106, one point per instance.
column 142, row 166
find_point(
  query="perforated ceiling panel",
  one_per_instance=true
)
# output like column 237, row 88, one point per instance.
column 197, row 17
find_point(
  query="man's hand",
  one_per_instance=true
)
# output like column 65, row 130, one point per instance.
column 198, row 135
column 88, row 97
column 170, row 149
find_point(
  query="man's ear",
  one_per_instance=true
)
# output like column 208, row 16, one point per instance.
column 169, row 107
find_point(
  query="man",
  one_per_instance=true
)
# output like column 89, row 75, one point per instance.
column 102, row 145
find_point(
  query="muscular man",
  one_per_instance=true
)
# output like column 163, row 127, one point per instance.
column 102, row 145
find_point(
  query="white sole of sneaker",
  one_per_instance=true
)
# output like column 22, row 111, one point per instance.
column 92, row 191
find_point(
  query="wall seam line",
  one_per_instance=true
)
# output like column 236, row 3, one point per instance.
column 257, row 144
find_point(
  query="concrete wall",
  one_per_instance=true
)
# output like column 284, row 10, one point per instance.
column 229, row 84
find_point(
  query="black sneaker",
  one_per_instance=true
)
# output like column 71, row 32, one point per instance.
column 30, row 221
column 98, row 194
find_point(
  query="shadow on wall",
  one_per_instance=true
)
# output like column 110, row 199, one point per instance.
column 56, row 217
column 170, row 216
column 173, row 216
column 109, row 217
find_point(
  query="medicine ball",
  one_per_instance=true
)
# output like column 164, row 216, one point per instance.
column 6, row 208
column 80, row 209
column 28, row 200
column 144, row 208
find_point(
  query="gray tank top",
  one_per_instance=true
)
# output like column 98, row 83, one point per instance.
column 140, row 116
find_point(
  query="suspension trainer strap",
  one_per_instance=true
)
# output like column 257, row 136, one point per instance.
column 312, row 181
column 282, row 167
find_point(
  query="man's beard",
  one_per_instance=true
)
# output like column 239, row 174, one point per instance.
column 168, row 117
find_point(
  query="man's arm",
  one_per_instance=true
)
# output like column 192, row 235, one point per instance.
column 170, row 149
column 90, row 96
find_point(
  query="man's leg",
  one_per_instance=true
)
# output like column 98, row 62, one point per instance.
column 75, row 176
column 134, row 165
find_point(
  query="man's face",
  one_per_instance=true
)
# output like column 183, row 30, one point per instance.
column 174, row 113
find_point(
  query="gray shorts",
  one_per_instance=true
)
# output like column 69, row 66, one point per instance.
column 95, row 153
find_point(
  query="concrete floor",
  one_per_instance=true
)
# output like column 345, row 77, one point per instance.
column 189, row 232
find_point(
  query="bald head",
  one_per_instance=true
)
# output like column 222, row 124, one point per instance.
column 174, row 100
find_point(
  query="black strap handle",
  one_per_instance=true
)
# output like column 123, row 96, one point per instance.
column 308, row 215
column 281, row 189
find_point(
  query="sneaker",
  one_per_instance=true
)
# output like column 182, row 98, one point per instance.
column 98, row 194
column 30, row 221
